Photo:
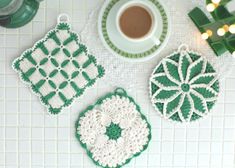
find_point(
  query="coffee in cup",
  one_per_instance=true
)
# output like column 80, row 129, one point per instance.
column 136, row 21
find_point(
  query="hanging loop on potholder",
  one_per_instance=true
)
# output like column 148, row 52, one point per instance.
column 184, row 86
column 63, row 18
column 113, row 130
column 58, row 68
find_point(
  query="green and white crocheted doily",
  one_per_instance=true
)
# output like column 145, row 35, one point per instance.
column 58, row 68
column 113, row 130
column 184, row 86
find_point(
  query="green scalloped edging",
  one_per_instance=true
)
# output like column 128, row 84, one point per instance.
column 118, row 92
column 51, row 57
column 131, row 55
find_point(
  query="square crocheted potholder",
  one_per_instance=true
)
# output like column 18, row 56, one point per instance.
column 113, row 130
column 58, row 68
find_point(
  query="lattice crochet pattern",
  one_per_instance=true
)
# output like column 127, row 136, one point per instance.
column 58, row 68
column 113, row 130
column 184, row 86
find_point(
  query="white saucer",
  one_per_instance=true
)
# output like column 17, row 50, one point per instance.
column 121, row 47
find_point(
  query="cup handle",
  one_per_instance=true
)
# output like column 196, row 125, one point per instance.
column 156, row 40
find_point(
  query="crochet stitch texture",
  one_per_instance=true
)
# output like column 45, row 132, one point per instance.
column 113, row 130
column 184, row 86
column 58, row 68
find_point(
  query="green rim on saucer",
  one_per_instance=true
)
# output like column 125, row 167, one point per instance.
column 135, row 55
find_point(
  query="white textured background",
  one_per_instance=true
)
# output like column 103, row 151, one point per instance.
column 29, row 137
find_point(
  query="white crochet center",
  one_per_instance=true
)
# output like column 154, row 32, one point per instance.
column 134, row 135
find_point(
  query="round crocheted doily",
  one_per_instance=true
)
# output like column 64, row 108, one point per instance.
column 113, row 130
column 184, row 86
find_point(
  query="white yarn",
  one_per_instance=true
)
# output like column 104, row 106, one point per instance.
column 69, row 78
column 134, row 135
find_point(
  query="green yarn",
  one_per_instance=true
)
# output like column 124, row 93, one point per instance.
column 113, row 131
column 184, row 86
column 57, row 67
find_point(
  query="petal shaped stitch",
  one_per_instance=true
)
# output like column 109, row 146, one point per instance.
column 184, row 63
column 116, row 144
column 184, row 86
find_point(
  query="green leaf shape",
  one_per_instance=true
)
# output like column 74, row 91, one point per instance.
column 209, row 68
column 195, row 69
column 164, row 81
column 39, row 84
column 64, row 63
column 203, row 78
column 75, row 64
column 42, row 72
column 159, row 69
column 184, row 63
column 210, row 105
column 194, row 56
column 199, row 103
column 173, row 105
column 165, row 94
column 87, row 63
column 67, row 41
column 55, row 51
column 30, row 72
column 64, row 74
column 75, row 74
column 52, row 84
column 195, row 117
column 77, row 52
column 216, row 86
column 66, row 52
column 186, row 108
column 175, row 57
column 63, row 85
column 205, row 92
column 172, row 69
column 160, row 106
column 154, row 88
column 54, row 62
column 43, row 61
column 53, row 73
column 176, row 117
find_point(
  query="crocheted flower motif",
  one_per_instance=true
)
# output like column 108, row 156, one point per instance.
column 184, row 87
column 58, row 68
column 113, row 130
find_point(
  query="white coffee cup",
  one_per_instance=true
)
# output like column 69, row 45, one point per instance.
column 152, row 30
